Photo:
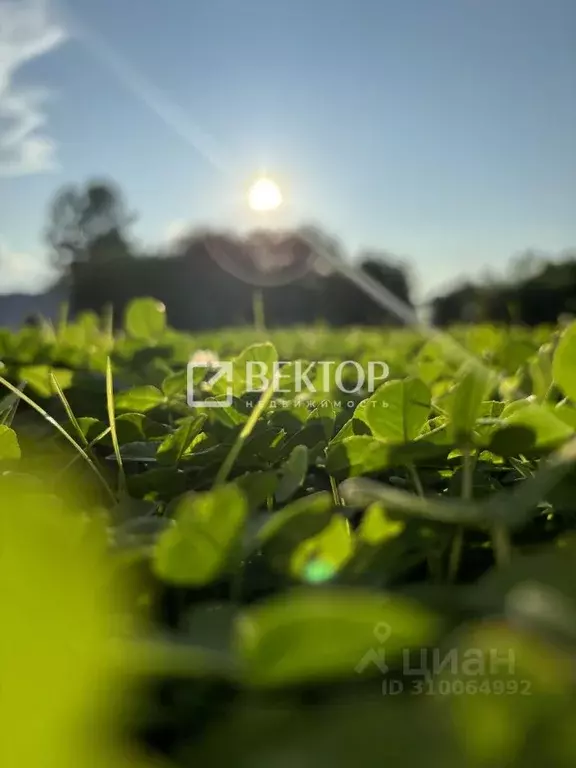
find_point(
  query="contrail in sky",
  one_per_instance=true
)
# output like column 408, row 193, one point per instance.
column 172, row 115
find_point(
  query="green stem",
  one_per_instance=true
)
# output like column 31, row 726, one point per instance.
column 258, row 310
column 501, row 544
column 548, row 394
column 335, row 492
column 434, row 568
column 228, row 463
column 416, row 479
column 432, row 432
column 112, row 421
column 468, row 462
column 455, row 554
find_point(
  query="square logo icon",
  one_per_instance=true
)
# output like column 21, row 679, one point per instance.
column 202, row 377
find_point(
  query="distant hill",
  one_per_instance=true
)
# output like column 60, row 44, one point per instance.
column 15, row 308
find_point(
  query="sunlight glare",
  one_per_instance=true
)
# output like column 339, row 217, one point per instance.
column 264, row 195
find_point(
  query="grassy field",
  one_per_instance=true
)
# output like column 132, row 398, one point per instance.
column 342, row 578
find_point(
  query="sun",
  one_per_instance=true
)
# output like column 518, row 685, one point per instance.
column 264, row 195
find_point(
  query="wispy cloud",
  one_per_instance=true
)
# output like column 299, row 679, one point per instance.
column 24, row 271
column 26, row 32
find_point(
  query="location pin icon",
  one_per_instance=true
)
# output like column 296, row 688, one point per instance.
column 382, row 632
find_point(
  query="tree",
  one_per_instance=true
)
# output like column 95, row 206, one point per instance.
column 384, row 269
column 527, row 265
column 463, row 304
column 88, row 225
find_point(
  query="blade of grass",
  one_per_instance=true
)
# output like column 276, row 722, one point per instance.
column 9, row 406
column 245, row 433
column 335, row 492
column 63, row 432
column 112, row 421
column 228, row 463
column 90, row 445
column 69, row 412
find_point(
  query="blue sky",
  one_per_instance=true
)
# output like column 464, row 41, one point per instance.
column 441, row 130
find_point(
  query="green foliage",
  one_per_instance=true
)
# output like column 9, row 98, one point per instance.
column 55, row 637
column 320, row 557
column 195, row 550
column 357, row 455
column 145, row 319
column 140, row 399
column 308, row 636
column 173, row 448
column 547, row 430
column 279, row 536
column 465, row 401
column 564, row 366
column 398, row 410
column 283, row 552
column 9, row 448
column 293, row 473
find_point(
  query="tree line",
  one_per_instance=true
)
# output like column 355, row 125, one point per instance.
column 209, row 279
column 540, row 290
